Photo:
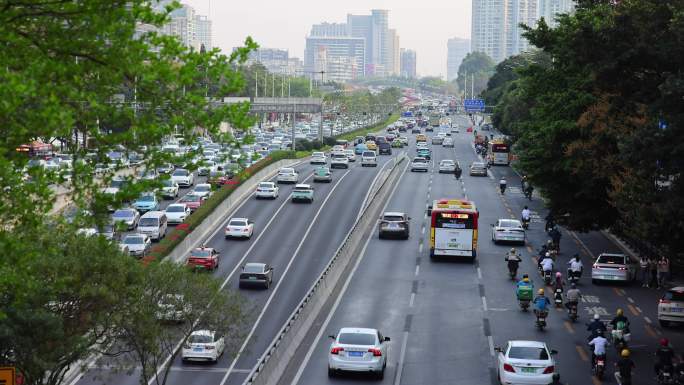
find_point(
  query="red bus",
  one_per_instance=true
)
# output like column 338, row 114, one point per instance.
column 453, row 228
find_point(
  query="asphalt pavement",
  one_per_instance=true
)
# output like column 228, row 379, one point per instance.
column 445, row 318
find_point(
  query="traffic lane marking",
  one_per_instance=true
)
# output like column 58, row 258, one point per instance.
column 582, row 353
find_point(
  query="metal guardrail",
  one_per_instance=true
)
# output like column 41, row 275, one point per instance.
column 274, row 361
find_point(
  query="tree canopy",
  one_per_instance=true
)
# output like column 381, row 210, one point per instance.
column 476, row 66
column 598, row 117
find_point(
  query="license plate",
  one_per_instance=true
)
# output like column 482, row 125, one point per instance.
column 529, row 370
column 197, row 349
column 676, row 309
column 252, row 278
column 355, row 354
column 393, row 225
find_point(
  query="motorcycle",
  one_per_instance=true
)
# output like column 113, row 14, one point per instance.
column 528, row 193
column 573, row 277
column 526, row 223
column 524, row 304
column 666, row 375
column 599, row 366
column 541, row 319
column 558, row 297
column 619, row 339
column 502, row 187
column 620, row 380
column 572, row 312
column 547, row 277
column 512, row 269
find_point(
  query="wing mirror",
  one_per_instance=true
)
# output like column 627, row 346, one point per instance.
column 387, row 339
column 332, row 336
column 498, row 350
column 553, row 351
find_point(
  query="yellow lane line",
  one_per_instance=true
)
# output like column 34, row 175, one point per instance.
column 582, row 353
column 568, row 327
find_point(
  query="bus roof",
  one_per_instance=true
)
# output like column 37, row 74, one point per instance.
column 454, row 204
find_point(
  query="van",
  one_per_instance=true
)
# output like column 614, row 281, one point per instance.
column 154, row 224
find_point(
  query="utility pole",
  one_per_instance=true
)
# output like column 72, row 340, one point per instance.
column 256, row 84
column 472, row 86
column 465, row 85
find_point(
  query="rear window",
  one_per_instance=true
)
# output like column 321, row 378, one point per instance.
column 420, row 160
column 148, row 222
column 287, row 171
column 356, row 339
column 369, row 154
column 266, row 185
column 612, row 259
column 201, row 253
column 393, row 218
column 509, row 224
column 175, row 209
column 302, row 189
column 200, row 339
column 253, row 269
column 674, row 296
column 237, row 223
column 528, row 353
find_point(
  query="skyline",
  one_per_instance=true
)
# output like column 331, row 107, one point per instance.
column 423, row 27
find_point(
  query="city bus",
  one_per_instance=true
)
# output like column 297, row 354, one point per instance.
column 453, row 228
column 499, row 152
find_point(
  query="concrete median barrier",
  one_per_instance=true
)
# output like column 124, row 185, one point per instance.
column 273, row 363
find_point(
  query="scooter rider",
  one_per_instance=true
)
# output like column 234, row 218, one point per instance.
column 575, row 267
column 664, row 356
column 599, row 343
column 595, row 326
column 524, row 285
column 526, row 215
column 555, row 235
column 502, row 185
column 619, row 320
column 625, row 366
column 513, row 260
column 572, row 297
column 558, row 283
column 546, row 263
column 541, row 303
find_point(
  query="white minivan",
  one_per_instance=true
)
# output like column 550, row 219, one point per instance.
column 154, row 224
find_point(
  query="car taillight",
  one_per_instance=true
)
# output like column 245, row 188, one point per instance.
column 245, row 230
column 376, row 352
column 622, row 268
column 549, row 369
column 663, row 300
column 509, row 368
column 336, row 350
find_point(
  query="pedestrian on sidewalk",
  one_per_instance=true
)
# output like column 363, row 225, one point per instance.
column 653, row 269
column 645, row 270
column 663, row 271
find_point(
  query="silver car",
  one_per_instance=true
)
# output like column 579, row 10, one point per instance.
column 358, row 350
column 447, row 166
column 138, row 244
column 478, row 168
column 613, row 267
column 420, row 164
column 508, row 230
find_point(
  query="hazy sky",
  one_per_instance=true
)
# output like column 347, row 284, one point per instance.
column 422, row 25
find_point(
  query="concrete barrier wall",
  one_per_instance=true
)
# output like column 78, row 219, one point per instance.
column 274, row 361
column 202, row 232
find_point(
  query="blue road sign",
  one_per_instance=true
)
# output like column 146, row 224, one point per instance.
column 474, row 105
column 662, row 124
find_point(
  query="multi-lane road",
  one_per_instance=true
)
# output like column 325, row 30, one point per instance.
column 444, row 318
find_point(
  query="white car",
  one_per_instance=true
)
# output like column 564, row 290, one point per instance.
column 508, row 230
column 448, row 142
column 287, row 175
column 420, row 164
column 350, row 155
column 447, row 166
column 203, row 190
column 613, row 267
column 203, row 345
column 239, row 228
column 169, row 189
column 525, row 362
column 358, row 350
column 266, row 190
column 318, row 158
column 368, row 158
column 339, row 160
column 183, row 177
column 177, row 213
column 671, row 306
column 455, row 129
column 138, row 244
column 206, row 167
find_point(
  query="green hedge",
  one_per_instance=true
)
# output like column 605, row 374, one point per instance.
column 367, row 130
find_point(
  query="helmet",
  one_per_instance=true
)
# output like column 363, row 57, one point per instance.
column 548, row 254
column 572, row 285
column 525, row 279
column 619, row 312
column 664, row 342
column 526, row 276
column 525, row 207
column 540, row 291
column 549, row 242
column 558, row 274
column 624, row 353
column 513, row 250
column 596, row 316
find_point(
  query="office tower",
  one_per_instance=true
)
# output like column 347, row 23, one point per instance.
column 408, row 63
column 330, row 29
column 457, row 49
column 203, row 28
column 393, row 64
column 548, row 9
column 374, row 30
column 342, row 58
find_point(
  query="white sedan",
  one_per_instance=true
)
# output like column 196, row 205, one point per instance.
column 358, row 350
column 266, row 190
column 203, row 190
column 183, row 177
column 508, row 230
column 203, row 345
column 287, row 175
column 525, row 362
column 239, row 228
column 177, row 213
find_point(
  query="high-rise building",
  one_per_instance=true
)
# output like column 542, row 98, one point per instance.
column 374, row 29
column 182, row 24
column 495, row 24
column 393, row 65
column 408, row 63
column 457, row 49
column 203, row 28
column 330, row 29
column 323, row 53
column 548, row 9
